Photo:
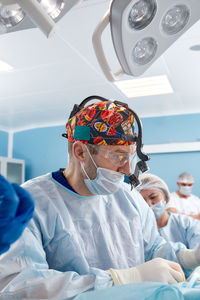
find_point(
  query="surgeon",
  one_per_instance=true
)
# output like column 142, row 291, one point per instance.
column 173, row 227
column 183, row 201
column 90, row 230
column 16, row 209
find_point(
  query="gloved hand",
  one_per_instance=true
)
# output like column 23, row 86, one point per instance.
column 157, row 270
column 16, row 209
column 189, row 258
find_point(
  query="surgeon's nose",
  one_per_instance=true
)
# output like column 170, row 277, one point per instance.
column 125, row 169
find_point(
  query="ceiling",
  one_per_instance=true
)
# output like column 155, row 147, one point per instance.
column 50, row 75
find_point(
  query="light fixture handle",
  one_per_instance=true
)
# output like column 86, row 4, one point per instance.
column 97, row 45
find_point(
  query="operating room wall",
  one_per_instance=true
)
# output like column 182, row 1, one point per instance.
column 171, row 129
column 174, row 129
column 3, row 143
column 44, row 149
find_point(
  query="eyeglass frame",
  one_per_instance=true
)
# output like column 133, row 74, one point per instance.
column 129, row 156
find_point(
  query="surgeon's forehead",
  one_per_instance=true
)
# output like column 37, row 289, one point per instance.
column 119, row 148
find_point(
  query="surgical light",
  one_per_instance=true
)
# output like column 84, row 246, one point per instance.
column 24, row 14
column 144, row 51
column 175, row 19
column 141, row 14
column 11, row 15
column 53, row 7
column 141, row 31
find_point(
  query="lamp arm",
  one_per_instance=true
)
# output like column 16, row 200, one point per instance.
column 97, row 45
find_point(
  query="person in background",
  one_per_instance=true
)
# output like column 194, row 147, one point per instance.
column 90, row 230
column 183, row 201
column 16, row 209
column 173, row 227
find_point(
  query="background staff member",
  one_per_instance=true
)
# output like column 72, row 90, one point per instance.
column 173, row 227
column 183, row 201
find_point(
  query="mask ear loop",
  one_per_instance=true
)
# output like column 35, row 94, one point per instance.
column 83, row 169
column 91, row 156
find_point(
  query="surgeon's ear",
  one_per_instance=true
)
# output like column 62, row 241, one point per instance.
column 79, row 151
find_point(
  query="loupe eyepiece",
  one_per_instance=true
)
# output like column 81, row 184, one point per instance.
column 133, row 180
column 143, row 166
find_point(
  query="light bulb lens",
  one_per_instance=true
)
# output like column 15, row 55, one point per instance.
column 142, row 14
column 53, row 7
column 144, row 51
column 11, row 15
column 175, row 19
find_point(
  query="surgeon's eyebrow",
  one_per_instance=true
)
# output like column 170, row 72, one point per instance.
column 120, row 151
column 123, row 150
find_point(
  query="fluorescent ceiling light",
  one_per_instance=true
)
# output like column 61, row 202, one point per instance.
column 149, row 86
column 5, row 67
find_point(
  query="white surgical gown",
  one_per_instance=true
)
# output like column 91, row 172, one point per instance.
column 189, row 206
column 72, row 239
column 182, row 229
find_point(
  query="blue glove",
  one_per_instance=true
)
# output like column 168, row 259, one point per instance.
column 16, row 209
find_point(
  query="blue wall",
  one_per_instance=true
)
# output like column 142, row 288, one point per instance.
column 169, row 165
column 3, row 143
column 172, row 129
column 45, row 150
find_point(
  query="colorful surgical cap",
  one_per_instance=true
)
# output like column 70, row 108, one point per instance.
column 101, row 123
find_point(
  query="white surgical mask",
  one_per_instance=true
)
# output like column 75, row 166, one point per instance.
column 106, row 181
column 185, row 190
column 158, row 209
